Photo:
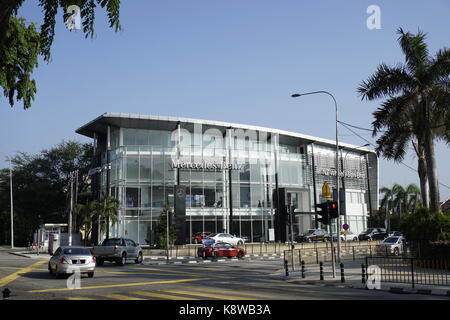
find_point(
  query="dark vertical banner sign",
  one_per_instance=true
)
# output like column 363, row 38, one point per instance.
column 281, row 214
column 180, row 213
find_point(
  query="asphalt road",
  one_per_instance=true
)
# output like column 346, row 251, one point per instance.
column 29, row 279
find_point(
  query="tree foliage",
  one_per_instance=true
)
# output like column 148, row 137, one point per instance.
column 40, row 188
column 21, row 45
column 416, row 107
column 161, row 228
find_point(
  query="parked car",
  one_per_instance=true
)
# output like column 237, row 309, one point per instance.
column 391, row 245
column 220, row 249
column 313, row 235
column 199, row 236
column 395, row 234
column 118, row 250
column 373, row 234
column 69, row 259
column 345, row 236
column 226, row 237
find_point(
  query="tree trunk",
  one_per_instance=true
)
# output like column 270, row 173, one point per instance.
column 422, row 170
column 430, row 159
column 424, row 188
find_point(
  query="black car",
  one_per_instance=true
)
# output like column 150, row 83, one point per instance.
column 373, row 234
column 312, row 235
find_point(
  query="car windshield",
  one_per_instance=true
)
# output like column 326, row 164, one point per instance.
column 112, row 242
column 310, row 231
column 369, row 230
column 83, row 251
column 391, row 240
column 212, row 235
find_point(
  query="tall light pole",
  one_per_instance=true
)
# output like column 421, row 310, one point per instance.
column 12, row 204
column 338, row 224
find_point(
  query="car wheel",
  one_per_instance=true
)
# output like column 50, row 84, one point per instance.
column 100, row 262
column 139, row 259
column 240, row 243
column 240, row 255
column 309, row 240
column 396, row 252
column 122, row 260
column 90, row 274
column 196, row 241
column 355, row 239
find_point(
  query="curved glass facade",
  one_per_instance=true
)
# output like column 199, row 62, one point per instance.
column 143, row 173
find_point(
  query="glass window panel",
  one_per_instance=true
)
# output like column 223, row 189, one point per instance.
column 154, row 138
column 141, row 137
column 210, row 195
column 129, row 137
column 146, row 196
column 158, row 199
column 245, row 196
column 158, row 168
column 132, row 168
column 145, row 168
column 132, row 197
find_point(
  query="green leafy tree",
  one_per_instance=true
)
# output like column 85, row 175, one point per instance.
column 40, row 188
column 21, row 45
column 105, row 210
column 415, row 110
column 161, row 228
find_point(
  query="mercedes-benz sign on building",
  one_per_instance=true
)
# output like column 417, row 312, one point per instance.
column 223, row 177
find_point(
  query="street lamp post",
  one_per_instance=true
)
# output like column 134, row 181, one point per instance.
column 338, row 226
column 12, row 204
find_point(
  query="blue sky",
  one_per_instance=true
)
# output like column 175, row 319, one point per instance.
column 232, row 60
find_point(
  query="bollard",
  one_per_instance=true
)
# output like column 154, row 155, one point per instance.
column 286, row 267
column 321, row 270
column 303, row 270
column 317, row 256
column 363, row 273
column 342, row 273
column 353, row 253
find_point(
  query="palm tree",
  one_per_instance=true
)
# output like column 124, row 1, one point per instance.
column 416, row 109
column 105, row 209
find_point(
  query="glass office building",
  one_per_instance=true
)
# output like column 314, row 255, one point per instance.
column 230, row 172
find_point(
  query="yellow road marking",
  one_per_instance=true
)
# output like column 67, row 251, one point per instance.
column 13, row 276
column 159, row 295
column 249, row 294
column 119, row 285
column 79, row 298
column 10, row 268
column 180, row 272
column 119, row 297
column 208, row 295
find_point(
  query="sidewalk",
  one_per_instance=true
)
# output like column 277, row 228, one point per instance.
column 353, row 279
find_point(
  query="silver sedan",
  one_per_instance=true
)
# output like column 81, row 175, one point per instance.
column 70, row 259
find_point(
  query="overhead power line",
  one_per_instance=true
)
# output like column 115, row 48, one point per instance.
column 346, row 125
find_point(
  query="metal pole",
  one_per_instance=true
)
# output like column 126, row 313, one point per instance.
column 12, row 205
column 167, row 234
column 71, row 208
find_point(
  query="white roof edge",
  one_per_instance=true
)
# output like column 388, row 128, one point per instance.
column 226, row 124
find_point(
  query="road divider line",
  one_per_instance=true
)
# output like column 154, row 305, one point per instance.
column 117, row 285
column 13, row 276
column 160, row 296
column 209, row 295
column 119, row 297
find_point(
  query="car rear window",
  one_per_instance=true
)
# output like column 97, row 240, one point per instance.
column 112, row 242
column 77, row 251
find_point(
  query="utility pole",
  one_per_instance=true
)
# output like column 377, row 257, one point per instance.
column 12, row 205
column 71, row 208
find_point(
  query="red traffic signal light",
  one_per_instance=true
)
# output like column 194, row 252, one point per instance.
column 332, row 209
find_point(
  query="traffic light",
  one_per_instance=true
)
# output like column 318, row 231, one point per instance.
column 324, row 212
column 332, row 209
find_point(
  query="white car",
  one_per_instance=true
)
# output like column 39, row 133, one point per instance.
column 349, row 236
column 226, row 237
column 391, row 245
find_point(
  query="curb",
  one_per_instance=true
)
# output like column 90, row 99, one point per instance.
column 397, row 290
